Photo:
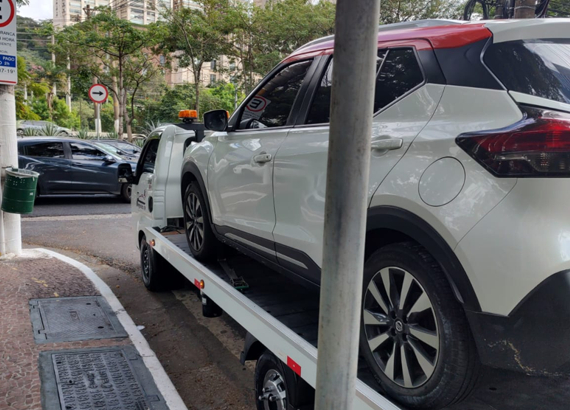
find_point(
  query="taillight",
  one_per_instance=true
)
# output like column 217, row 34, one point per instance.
column 538, row 146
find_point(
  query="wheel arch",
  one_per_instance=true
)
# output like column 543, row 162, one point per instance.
column 191, row 173
column 388, row 224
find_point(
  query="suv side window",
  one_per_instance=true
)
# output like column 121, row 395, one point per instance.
column 46, row 149
column 272, row 105
column 398, row 73
column 84, row 151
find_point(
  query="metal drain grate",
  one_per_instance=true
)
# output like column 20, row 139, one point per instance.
column 97, row 379
column 72, row 319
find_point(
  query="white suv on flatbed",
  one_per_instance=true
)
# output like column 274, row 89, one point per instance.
column 468, row 234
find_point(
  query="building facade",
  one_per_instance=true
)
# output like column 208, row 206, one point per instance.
column 66, row 12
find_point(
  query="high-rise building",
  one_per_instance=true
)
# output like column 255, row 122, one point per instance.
column 67, row 12
column 147, row 11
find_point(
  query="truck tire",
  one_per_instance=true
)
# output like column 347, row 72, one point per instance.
column 271, row 390
column 197, row 225
column 157, row 273
column 414, row 334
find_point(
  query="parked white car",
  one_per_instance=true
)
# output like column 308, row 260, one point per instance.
column 468, row 239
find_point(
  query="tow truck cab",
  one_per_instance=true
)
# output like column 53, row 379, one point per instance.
column 158, row 174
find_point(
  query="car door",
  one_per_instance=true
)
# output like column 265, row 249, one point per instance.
column 403, row 104
column 240, row 171
column 143, row 186
column 49, row 159
column 91, row 172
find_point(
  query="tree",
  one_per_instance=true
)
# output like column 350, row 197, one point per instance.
column 111, row 48
column 396, row 11
column 193, row 36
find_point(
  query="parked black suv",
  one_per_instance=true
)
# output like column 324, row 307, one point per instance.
column 72, row 166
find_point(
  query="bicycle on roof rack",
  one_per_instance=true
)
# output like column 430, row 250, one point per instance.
column 504, row 9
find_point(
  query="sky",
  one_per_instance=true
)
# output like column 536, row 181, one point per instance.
column 38, row 9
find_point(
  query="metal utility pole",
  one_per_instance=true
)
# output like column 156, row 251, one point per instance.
column 525, row 9
column 10, row 230
column 356, row 47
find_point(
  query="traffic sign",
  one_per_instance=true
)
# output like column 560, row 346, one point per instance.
column 98, row 93
column 8, row 49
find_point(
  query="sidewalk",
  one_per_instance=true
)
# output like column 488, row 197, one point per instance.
column 40, row 274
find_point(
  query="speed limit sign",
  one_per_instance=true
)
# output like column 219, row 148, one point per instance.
column 8, row 49
column 98, row 93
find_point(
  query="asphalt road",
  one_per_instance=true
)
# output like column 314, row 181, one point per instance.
column 201, row 355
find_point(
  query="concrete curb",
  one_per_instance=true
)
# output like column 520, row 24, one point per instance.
column 161, row 379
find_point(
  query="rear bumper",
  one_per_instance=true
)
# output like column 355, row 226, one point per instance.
column 535, row 337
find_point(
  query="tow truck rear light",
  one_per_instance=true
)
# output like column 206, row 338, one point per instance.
column 538, row 146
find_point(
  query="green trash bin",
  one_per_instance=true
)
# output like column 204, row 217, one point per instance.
column 19, row 191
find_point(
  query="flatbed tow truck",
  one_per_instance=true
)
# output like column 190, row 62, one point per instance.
column 279, row 315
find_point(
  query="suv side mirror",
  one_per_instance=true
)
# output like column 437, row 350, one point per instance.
column 109, row 159
column 216, row 120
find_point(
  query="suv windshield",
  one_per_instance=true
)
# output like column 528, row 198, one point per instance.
column 536, row 67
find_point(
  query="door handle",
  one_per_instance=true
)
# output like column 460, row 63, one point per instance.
column 387, row 144
column 262, row 158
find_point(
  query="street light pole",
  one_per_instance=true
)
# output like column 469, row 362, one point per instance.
column 355, row 53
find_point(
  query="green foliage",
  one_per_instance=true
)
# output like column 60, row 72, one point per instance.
column 49, row 130
column 63, row 117
column 30, row 132
column 113, row 135
column 395, row 11
column 83, row 134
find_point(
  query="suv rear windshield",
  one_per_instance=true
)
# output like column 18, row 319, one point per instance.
column 536, row 67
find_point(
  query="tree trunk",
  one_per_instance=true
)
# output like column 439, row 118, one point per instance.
column 116, row 107
column 197, row 77
column 122, row 99
column 524, row 9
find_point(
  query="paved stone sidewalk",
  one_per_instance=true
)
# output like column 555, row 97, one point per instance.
column 31, row 277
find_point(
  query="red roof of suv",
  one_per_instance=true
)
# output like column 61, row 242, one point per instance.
column 444, row 36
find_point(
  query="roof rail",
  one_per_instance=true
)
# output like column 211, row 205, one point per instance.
column 396, row 26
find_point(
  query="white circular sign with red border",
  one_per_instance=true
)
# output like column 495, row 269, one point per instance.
column 98, row 93
column 7, row 13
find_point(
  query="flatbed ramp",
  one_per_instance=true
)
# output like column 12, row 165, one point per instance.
column 277, row 311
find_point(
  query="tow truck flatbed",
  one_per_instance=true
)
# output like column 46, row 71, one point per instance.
column 278, row 312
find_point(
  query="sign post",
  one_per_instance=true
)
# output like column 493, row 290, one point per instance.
column 10, row 229
column 98, row 94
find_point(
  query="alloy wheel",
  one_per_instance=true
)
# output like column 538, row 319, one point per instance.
column 274, row 393
column 401, row 327
column 194, row 221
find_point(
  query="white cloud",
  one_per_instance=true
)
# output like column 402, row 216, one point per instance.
column 38, row 10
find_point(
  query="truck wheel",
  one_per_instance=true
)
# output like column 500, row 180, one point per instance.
column 201, row 239
column 414, row 334
column 126, row 192
column 271, row 390
column 156, row 272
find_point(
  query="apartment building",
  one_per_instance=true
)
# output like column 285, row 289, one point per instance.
column 66, row 12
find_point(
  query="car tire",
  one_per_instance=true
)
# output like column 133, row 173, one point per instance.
column 157, row 273
column 420, row 349
column 270, row 381
column 126, row 192
column 197, row 225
